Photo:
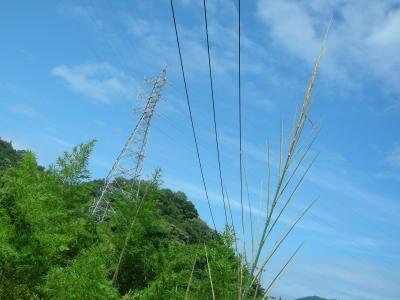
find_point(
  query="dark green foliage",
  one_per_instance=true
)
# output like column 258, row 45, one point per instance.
column 50, row 247
column 183, row 217
column 8, row 155
column 176, row 205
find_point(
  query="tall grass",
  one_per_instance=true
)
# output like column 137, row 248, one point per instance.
column 294, row 164
column 292, row 170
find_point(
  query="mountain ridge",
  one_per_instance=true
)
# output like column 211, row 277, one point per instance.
column 313, row 298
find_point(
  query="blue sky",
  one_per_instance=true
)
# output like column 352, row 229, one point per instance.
column 71, row 71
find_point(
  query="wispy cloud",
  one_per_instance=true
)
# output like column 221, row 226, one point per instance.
column 101, row 82
column 387, row 175
column 26, row 110
column 393, row 158
column 330, row 178
column 347, row 280
column 61, row 142
column 157, row 39
column 362, row 45
column 84, row 12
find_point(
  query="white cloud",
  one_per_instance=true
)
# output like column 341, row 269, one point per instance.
column 291, row 26
column 363, row 43
column 101, row 82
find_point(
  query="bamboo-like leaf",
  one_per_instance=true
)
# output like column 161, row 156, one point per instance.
column 273, row 251
column 281, row 271
column 268, row 180
column 294, row 191
column 280, row 149
column 259, row 216
column 299, row 163
column 294, row 121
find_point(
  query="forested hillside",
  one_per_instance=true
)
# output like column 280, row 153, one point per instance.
column 8, row 155
column 51, row 248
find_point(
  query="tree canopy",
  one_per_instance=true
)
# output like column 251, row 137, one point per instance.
column 51, row 248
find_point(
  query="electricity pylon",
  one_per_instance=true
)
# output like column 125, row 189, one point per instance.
column 129, row 162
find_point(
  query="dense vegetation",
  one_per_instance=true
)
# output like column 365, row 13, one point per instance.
column 51, row 248
column 8, row 155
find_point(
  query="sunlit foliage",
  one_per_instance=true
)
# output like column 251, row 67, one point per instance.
column 50, row 247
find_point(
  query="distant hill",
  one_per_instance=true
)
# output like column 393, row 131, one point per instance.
column 313, row 298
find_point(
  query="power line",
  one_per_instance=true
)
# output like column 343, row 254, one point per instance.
column 190, row 113
column 214, row 115
column 240, row 119
column 178, row 142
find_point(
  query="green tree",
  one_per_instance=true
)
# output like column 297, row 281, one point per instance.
column 51, row 248
column 41, row 230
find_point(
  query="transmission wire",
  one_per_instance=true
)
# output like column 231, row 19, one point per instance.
column 240, row 120
column 214, row 115
column 190, row 114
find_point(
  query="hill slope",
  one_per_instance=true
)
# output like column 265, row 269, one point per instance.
column 51, row 248
column 8, row 155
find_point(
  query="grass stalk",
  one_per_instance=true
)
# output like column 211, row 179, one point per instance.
column 250, row 211
column 127, row 238
column 287, row 172
column 260, row 209
column 191, row 277
column 231, row 217
column 209, row 272
column 296, row 134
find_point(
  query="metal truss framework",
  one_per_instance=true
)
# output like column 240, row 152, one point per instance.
column 129, row 162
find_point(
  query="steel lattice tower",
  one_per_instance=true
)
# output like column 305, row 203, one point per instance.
column 129, row 162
